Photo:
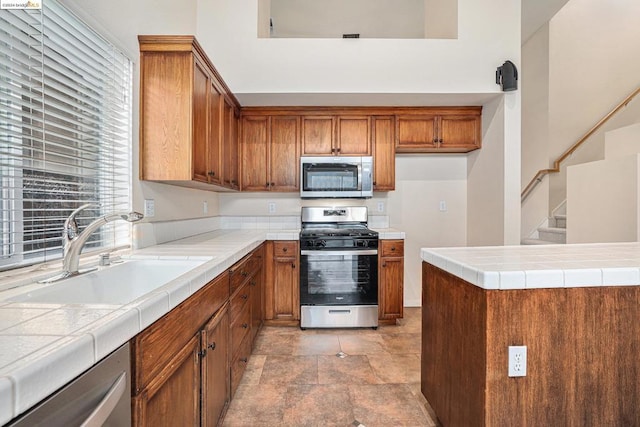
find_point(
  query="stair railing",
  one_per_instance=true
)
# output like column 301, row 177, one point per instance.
column 556, row 165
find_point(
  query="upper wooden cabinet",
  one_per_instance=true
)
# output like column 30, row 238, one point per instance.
column 230, row 147
column 384, row 153
column 184, row 116
column 270, row 147
column 340, row 135
column 455, row 130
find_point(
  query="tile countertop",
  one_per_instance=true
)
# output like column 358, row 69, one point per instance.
column 541, row 266
column 44, row 346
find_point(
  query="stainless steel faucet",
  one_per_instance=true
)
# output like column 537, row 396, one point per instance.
column 73, row 241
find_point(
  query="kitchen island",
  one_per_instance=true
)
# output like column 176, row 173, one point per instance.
column 575, row 307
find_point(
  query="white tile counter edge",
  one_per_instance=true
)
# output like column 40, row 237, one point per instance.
column 27, row 380
column 541, row 266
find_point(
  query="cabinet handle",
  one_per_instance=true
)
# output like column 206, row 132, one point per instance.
column 284, row 249
column 333, row 150
column 244, row 359
column 440, row 140
column 212, row 346
column 435, row 140
column 375, row 183
column 338, row 150
column 253, row 283
column 393, row 248
column 211, row 173
column 273, row 184
column 293, row 266
column 233, row 181
column 244, row 296
column 267, row 185
column 245, row 325
column 244, row 273
column 384, row 264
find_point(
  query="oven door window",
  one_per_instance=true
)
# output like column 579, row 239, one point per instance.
column 330, row 177
column 338, row 279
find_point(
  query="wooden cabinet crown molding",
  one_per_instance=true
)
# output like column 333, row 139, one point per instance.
column 187, row 43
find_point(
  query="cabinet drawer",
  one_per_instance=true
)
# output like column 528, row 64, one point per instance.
column 239, row 363
column 392, row 248
column 239, row 302
column 240, row 329
column 244, row 269
column 285, row 249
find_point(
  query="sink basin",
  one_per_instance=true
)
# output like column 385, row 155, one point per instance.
column 117, row 284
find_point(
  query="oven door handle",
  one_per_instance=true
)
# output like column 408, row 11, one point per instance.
column 343, row 252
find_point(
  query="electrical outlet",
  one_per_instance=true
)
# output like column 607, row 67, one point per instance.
column 205, row 207
column 380, row 206
column 443, row 206
column 149, row 208
column 272, row 207
column 517, row 360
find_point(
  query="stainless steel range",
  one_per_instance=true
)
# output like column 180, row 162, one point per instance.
column 338, row 268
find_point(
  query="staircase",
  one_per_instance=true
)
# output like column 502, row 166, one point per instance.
column 553, row 232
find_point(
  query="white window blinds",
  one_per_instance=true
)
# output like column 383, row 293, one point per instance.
column 65, row 132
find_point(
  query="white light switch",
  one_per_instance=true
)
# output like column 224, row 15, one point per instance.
column 443, row 206
column 205, row 207
column 272, row 207
column 380, row 206
column 149, row 208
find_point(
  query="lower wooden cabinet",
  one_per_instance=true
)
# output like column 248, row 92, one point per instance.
column 282, row 288
column 187, row 365
column 216, row 391
column 390, row 280
column 172, row 397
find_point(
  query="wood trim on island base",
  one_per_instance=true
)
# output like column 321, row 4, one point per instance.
column 582, row 354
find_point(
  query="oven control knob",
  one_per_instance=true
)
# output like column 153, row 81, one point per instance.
column 321, row 243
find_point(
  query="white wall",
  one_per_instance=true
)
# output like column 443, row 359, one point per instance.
column 603, row 201
column 493, row 216
column 535, row 127
column 589, row 72
column 488, row 33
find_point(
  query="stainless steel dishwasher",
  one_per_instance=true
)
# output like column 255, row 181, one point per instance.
column 99, row 397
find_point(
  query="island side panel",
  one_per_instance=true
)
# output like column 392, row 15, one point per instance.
column 453, row 348
column 583, row 364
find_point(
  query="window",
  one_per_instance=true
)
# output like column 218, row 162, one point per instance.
column 65, row 132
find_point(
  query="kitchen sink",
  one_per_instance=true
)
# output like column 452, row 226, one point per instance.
column 118, row 284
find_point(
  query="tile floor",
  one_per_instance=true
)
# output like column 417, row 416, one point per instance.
column 294, row 378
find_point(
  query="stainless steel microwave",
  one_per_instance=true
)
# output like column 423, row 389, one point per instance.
column 336, row 177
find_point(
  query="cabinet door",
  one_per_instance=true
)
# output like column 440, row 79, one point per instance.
column 391, row 288
column 257, row 302
column 284, row 154
column 255, row 130
column 416, row 133
column 216, row 387
column 317, row 135
column 230, row 147
column 200, row 114
column 173, row 397
column 353, row 136
column 384, row 153
column 285, row 289
column 216, row 129
column 459, row 133
column 281, row 291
